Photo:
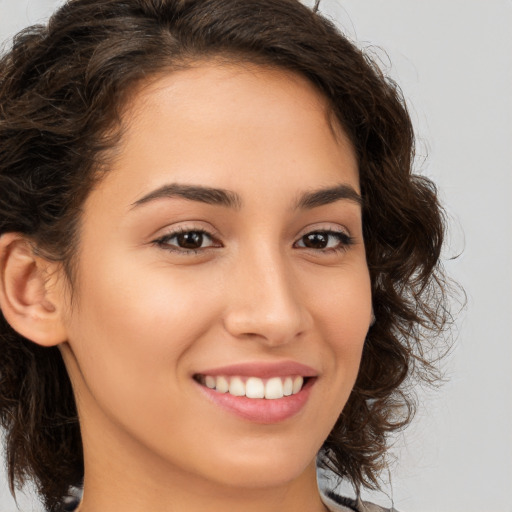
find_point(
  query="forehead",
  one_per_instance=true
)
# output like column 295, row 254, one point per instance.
column 214, row 79
column 227, row 124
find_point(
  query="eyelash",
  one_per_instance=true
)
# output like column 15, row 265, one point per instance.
column 344, row 241
column 164, row 240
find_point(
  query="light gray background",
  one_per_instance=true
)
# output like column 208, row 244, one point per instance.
column 453, row 60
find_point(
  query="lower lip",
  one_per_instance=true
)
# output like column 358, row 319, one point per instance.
column 261, row 410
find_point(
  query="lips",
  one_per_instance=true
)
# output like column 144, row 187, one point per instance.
column 261, row 393
column 253, row 387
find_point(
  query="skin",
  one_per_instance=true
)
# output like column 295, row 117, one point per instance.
column 146, row 317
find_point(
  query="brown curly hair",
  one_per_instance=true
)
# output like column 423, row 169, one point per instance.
column 62, row 90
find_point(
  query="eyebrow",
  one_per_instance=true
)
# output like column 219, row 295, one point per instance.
column 208, row 195
column 229, row 199
column 329, row 195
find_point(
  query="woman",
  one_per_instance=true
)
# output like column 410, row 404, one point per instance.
column 216, row 264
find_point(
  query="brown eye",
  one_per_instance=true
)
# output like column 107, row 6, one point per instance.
column 190, row 240
column 325, row 241
column 318, row 240
column 184, row 241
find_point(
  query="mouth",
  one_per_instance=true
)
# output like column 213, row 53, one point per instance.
column 273, row 388
column 259, row 393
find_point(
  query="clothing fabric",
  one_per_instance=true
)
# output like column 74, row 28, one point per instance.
column 331, row 500
column 336, row 503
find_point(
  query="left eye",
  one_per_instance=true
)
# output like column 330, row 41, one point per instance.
column 187, row 240
column 321, row 240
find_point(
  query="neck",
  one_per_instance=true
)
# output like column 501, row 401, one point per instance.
column 122, row 475
column 177, row 493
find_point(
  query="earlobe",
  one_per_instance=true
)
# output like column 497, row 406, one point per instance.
column 29, row 297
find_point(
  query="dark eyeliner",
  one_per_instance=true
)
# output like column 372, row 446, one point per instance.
column 345, row 240
column 163, row 241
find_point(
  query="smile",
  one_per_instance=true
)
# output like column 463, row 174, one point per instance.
column 253, row 387
column 259, row 392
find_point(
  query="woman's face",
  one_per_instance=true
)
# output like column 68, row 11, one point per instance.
column 221, row 254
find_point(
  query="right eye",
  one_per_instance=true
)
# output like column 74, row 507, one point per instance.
column 185, row 241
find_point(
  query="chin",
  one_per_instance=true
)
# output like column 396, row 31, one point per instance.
column 266, row 469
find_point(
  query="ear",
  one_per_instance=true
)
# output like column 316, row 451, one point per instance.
column 31, row 297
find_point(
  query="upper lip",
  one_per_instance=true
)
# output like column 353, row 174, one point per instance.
column 263, row 370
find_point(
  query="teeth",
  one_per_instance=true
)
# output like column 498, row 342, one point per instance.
column 209, row 382
column 288, row 386
column 222, row 384
column 297, row 384
column 274, row 388
column 236, row 387
column 254, row 387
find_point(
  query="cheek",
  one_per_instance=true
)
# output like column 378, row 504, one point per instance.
column 343, row 306
column 132, row 328
column 342, row 311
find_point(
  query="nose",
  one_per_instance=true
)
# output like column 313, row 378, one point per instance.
column 264, row 301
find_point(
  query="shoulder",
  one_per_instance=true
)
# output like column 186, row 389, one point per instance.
column 337, row 503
